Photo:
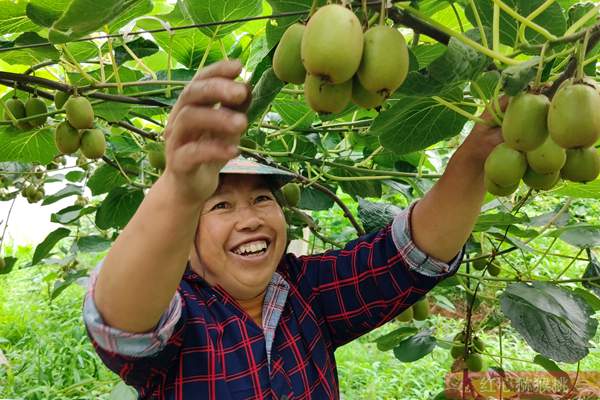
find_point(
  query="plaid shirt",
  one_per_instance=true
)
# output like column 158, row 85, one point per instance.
column 206, row 347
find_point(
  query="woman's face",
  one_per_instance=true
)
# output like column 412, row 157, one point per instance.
column 242, row 236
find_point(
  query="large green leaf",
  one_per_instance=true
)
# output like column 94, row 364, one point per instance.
column 313, row 199
column 118, row 207
column 592, row 272
column 581, row 235
column 263, row 94
column 554, row 321
column 70, row 214
column 142, row 7
column 69, row 190
column 13, row 18
column 44, row 248
column 415, row 123
column 202, row 12
column 93, row 244
column 375, row 216
column 105, row 179
column 29, row 56
column 31, row 146
column 357, row 187
column 485, row 9
column 590, row 190
column 294, row 111
column 392, row 339
column 415, row 347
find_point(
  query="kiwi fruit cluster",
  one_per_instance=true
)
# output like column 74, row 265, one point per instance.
column 419, row 311
column 34, row 107
column 77, row 131
column 493, row 268
column 473, row 359
column 337, row 62
column 33, row 193
column 545, row 140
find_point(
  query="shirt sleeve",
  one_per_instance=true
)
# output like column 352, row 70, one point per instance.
column 136, row 357
column 371, row 280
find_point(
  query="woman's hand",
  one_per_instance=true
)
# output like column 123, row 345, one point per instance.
column 202, row 136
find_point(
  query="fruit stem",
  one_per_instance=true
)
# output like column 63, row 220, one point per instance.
column 540, row 68
column 208, row 48
column 382, row 12
column 496, row 28
column 460, row 111
column 461, row 38
column 581, row 56
column 479, row 24
column 313, row 8
column 488, row 104
column 532, row 16
column 115, row 66
column 223, row 51
column 542, row 31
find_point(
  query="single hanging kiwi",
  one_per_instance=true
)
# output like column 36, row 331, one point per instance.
column 80, row 113
column 498, row 190
column 574, row 119
column 541, row 181
column 363, row 98
column 291, row 192
column 583, row 165
column 156, row 156
column 60, row 98
column 324, row 97
column 36, row 106
column 384, row 64
column 421, row 309
column 474, row 362
column 332, row 44
column 505, row 166
column 287, row 61
column 547, row 158
column 17, row 109
column 525, row 122
column 93, row 143
column 406, row 315
column 66, row 138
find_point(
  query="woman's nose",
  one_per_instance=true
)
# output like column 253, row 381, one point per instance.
column 248, row 218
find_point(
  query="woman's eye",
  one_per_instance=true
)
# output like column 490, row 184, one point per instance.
column 263, row 197
column 220, row 206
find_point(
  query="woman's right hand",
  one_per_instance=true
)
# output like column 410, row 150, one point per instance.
column 200, row 137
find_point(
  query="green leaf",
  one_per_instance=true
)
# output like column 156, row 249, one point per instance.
column 427, row 53
column 498, row 220
column 45, row 12
column 590, row 190
column 415, row 347
column 313, row 199
column 69, row 190
column 592, row 272
column 140, row 47
column 44, row 248
column 202, row 12
column 392, row 339
column 9, row 264
column 70, row 214
column 93, row 244
column 590, row 298
column 552, row 18
column 31, row 55
column 31, row 146
column 140, row 8
column 487, row 83
column 82, row 51
column 554, row 321
column 415, row 123
column 459, row 62
column 553, row 368
column 294, row 111
column 375, row 216
column 13, row 17
column 118, row 207
column 516, row 78
column 276, row 27
column 75, row 176
column 263, row 94
column 584, row 236
column 61, row 285
column 366, row 188
column 105, row 179
column 111, row 111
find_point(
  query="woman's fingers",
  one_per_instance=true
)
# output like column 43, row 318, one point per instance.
column 225, row 68
column 205, row 151
column 195, row 122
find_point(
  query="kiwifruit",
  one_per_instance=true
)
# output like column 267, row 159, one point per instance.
column 474, row 362
column 478, row 344
column 17, row 109
column 156, row 156
column 494, row 269
column 36, row 106
column 81, row 201
column 525, row 122
column 332, row 44
column 421, row 309
column 457, row 351
column 60, row 98
column 480, row 263
column 384, row 63
column 547, row 158
column 583, row 165
column 363, row 98
column 505, row 166
column 66, row 138
column 287, row 61
column 80, row 113
column 573, row 118
column 324, row 97
column 406, row 315
column 93, row 143
column 248, row 143
column 541, row 181
column 291, row 192
column 497, row 190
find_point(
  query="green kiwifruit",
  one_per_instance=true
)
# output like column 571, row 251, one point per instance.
column 547, row 158
column 60, row 98
column 474, row 362
column 541, row 181
column 406, row 315
column 494, row 269
column 324, row 97
column 363, row 98
column 480, row 263
column 287, row 61
column 384, row 63
column 291, row 192
column 81, row 201
column 573, row 119
column 525, row 124
column 93, row 143
column 505, row 166
column 332, row 44
column 66, row 138
column 457, row 351
column 421, row 309
column 80, row 113
column 36, row 106
column 17, row 109
column 478, row 344
column 157, row 157
column 498, row 190
column 583, row 165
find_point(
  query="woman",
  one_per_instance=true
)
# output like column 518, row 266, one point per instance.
column 196, row 299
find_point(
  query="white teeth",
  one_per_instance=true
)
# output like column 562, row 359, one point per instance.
column 251, row 247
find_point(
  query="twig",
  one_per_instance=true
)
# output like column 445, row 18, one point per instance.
column 6, row 223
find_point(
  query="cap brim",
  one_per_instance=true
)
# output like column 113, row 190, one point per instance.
column 244, row 166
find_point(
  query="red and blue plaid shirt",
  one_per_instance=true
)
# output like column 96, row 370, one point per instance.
column 206, row 347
